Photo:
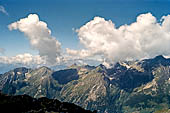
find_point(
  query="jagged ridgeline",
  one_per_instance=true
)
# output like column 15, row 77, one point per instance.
column 131, row 86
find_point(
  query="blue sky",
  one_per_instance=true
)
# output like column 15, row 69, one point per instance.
column 62, row 16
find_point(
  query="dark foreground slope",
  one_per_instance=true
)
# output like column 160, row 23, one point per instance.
column 27, row 104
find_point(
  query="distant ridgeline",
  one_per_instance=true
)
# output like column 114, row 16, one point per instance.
column 27, row 104
column 130, row 86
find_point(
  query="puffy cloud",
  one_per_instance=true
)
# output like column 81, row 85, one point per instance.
column 21, row 60
column 144, row 38
column 69, row 60
column 39, row 36
column 24, row 59
column 82, row 53
column 2, row 9
column 2, row 50
column 35, row 61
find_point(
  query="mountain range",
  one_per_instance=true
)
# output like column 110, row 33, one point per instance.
column 141, row 86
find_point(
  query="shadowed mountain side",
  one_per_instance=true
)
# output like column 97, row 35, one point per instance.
column 65, row 76
column 27, row 104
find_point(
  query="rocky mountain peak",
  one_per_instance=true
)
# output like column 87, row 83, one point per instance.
column 73, row 65
column 44, row 68
column 20, row 69
column 149, row 64
column 160, row 57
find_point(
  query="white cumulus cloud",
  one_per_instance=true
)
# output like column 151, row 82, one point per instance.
column 82, row 53
column 2, row 9
column 39, row 36
column 23, row 59
column 146, row 37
